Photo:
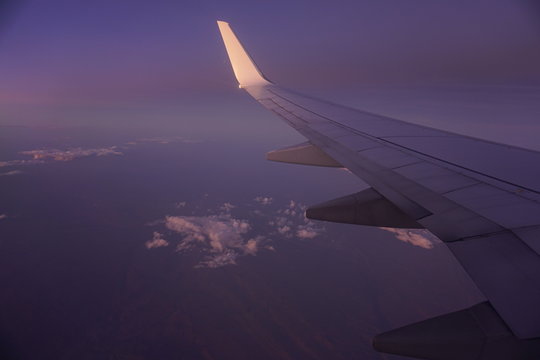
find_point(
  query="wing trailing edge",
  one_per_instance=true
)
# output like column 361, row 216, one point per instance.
column 476, row 333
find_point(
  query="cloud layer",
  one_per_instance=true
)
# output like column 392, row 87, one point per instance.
column 40, row 156
column 157, row 241
column 11, row 173
column 290, row 221
column 20, row 162
column 163, row 140
column 264, row 200
column 221, row 237
column 421, row 238
column 70, row 154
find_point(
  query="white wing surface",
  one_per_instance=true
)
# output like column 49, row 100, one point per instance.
column 481, row 198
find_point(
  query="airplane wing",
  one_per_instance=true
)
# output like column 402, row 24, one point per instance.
column 481, row 198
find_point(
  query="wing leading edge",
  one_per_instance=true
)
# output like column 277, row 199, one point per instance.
column 487, row 213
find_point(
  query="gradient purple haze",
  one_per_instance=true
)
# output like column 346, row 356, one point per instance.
column 162, row 64
column 83, row 270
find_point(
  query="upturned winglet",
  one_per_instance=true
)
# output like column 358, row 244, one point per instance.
column 244, row 68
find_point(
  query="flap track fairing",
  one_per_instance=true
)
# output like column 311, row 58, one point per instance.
column 366, row 207
column 302, row 154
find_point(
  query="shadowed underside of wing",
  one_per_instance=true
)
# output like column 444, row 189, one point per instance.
column 481, row 198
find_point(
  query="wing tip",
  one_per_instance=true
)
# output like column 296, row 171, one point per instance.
column 245, row 70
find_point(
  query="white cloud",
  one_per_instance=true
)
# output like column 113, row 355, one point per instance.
column 226, row 258
column 264, row 200
column 291, row 212
column 292, row 221
column 283, row 230
column 160, row 140
column 221, row 238
column 307, row 232
column 227, row 207
column 70, row 154
column 163, row 140
column 180, row 204
column 421, row 238
column 281, row 221
column 20, row 162
column 157, row 241
column 40, row 156
column 252, row 245
column 10, row 173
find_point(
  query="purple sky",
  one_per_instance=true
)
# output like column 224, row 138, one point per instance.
column 123, row 62
column 154, row 68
